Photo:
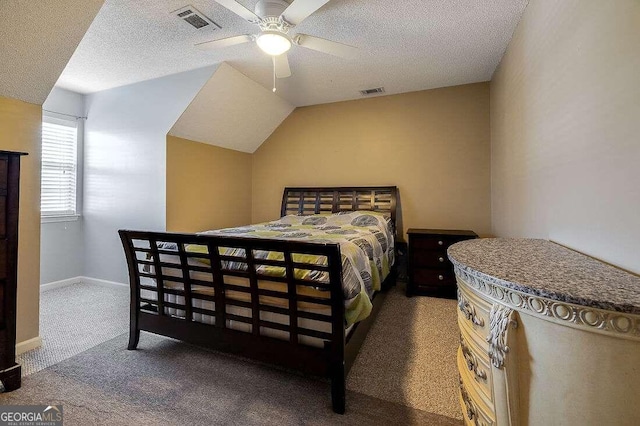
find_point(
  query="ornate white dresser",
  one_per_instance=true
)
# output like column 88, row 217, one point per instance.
column 548, row 336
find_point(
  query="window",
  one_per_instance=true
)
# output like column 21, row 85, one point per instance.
column 59, row 167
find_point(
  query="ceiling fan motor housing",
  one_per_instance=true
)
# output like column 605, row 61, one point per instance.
column 270, row 8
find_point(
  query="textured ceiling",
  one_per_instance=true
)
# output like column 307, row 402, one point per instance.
column 404, row 45
column 221, row 111
column 37, row 38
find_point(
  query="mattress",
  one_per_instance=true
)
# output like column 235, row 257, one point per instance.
column 367, row 246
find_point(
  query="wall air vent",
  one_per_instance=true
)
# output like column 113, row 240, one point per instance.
column 195, row 18
column 368, row 92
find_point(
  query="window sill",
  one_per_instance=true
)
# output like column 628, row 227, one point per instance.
column 66, row 218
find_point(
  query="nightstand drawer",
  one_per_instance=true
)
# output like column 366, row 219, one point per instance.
column 430, row 259
column 431, row 243
column 429, row 270
column 433, row 277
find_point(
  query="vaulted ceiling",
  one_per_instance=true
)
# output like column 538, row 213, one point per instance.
column 231, row 111
column 37, row 38
column 403, row 45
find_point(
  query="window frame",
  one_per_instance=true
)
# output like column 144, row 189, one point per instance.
column 65, row 120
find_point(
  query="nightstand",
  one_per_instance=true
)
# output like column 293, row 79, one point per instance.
column 429, row 269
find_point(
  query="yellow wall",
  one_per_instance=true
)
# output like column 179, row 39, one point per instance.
column 207, row 187
column 20, row 127
column 434, row 145
column 565, row 120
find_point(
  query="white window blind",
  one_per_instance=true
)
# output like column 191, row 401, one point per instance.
column 59, row 167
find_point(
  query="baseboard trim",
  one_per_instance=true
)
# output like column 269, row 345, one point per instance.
column 81, row 280
column 104, row 283
column 28, row 345
column 61, row 283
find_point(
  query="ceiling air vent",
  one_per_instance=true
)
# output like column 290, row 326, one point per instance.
column 368, row 92
column 195, row 18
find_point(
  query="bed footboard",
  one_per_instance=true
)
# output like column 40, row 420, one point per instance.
column 213, row 291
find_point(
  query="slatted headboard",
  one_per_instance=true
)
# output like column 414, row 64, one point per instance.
column 337, row 199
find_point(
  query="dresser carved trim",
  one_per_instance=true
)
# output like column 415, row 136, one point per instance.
column 583, row 317
column 499, row 319
column 527, row 359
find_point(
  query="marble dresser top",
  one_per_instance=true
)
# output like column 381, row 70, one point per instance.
column 546, row 269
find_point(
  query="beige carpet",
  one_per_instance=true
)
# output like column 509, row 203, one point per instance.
column 76, row 318
column 166, row 382
column 413, row 345
column 405, row 372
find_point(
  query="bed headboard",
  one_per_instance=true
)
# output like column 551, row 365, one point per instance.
column 337, row 199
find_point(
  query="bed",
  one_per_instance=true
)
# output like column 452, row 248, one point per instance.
column 291, row 293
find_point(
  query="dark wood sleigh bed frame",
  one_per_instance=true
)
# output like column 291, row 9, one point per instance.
column 333, row 360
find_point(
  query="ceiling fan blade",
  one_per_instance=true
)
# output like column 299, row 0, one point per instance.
column 240, row 10
column 299, row 10
column 326, row 46
column 281, row 62
column 224, row 42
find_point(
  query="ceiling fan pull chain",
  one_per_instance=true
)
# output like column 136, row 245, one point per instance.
column 273, row 58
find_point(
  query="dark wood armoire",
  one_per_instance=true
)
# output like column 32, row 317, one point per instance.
column 9, row 199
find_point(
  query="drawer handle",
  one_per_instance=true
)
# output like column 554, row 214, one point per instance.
column 440, row 242
column 441, row 259
column 440, row 277
column 472, row 362
column 471, row 411
column 469, row 311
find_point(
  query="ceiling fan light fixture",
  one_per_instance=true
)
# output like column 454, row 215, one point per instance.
column 273, row 43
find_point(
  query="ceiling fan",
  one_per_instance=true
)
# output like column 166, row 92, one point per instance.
column 276, row 18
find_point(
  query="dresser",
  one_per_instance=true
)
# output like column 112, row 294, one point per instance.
column 9, row 197
column 548, row 336
column 430, row 273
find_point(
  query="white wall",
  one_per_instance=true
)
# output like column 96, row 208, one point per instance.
column 565, row 126
column 125, row 164
column 61, row 243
